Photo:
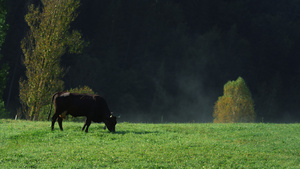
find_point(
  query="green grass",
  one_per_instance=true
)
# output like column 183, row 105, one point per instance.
column 26, row 144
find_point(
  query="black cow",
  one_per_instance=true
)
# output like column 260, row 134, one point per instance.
column 93, row 107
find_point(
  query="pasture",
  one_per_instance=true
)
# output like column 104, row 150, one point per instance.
column 28, row 144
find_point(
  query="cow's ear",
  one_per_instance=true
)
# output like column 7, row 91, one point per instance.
column 110, row 116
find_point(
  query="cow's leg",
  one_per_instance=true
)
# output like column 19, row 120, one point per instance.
column 54, row 117
column 59, row 120
column 87, row 124
column 84, row 125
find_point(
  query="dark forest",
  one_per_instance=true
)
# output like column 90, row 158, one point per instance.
column 168, row 60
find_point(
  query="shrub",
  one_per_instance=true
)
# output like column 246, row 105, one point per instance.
column 82, row 90
column 236, row 105
column 3, row 112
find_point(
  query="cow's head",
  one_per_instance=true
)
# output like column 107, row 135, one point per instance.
column 111, row 123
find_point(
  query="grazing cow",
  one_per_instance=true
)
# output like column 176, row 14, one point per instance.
column 93, row 107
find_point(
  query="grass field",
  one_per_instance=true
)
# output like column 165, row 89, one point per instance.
column 26, row 144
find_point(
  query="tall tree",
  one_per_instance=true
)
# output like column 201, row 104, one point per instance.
column 48, row 39
column 3, row 67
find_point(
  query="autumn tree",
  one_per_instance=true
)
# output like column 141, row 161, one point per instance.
column 47, row 41
column 236, row 105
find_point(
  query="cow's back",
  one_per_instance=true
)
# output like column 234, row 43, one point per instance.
column 91, row 106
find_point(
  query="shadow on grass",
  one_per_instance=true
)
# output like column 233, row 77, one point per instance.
column 136, row 132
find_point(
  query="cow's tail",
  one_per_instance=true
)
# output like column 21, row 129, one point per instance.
column 52, row 103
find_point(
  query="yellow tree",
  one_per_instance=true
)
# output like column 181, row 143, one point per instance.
column 47, row 40
column 236, row 105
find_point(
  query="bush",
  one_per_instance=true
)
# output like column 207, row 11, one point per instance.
column 236, row 105
column 3, row 112
column 82, row 90
column 44, row 112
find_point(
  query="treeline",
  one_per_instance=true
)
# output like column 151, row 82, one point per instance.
column 168, row 60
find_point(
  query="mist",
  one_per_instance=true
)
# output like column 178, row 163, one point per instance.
column 189, row 103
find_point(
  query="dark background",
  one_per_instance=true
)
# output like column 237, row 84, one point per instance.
column 168, row 60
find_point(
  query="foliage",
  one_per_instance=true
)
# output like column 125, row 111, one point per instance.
column 27, row 144
column 82, row 90
column 48, row 39
column 3, row 113
column 236, row 105
column 3, row 67
column 3, row 78
column 3, row 24
column 3, row 75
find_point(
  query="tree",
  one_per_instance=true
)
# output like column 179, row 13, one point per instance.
column 3, row 67
column 47, row 40
column 236, row 105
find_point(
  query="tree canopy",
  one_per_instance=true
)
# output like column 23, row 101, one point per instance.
column 236, row 104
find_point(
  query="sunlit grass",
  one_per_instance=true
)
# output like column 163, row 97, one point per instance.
column 191, row 145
